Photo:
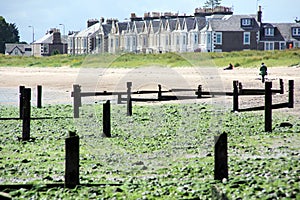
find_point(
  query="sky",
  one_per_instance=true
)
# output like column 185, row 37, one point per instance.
column 42, row 15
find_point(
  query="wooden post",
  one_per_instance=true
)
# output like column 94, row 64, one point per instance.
column 76, row 100
column 235, row 96
column 240, row 87
column 159, row 95
column 199, row 94
column 281, row 85
column 129, row 102
column 21, row 89
column 221, row 157
column 268, row 106
column 39, row 96
column 106, row 119
column 72, row 160
column 26, row 114
column 119, row 98
column 291, row 94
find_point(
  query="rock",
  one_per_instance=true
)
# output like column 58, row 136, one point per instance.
column 118, row 189
column 286, row 124
column 138, row 163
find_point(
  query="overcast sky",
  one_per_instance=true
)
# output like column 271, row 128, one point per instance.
column 45, row 14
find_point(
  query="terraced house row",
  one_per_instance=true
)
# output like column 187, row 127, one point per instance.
column 215, row 30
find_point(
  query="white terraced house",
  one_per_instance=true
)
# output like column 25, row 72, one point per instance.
column 206, row 31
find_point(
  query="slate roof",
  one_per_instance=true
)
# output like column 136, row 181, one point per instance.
column 282, row 32
column 9, row 48
column 46, row 39
column 106, row 29
column 172, row 24
column 139, row 26
column 190, row 23
column 122, row 26
column 88, row 31
column 232, row 23
column 201, row 21
column 155, row 25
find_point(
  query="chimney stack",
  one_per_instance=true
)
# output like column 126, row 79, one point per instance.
column 91, row 22
column 259, row 15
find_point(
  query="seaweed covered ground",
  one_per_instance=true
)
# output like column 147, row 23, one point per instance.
column 163, row 151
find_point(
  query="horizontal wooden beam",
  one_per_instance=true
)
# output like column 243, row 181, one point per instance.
column 274, row 106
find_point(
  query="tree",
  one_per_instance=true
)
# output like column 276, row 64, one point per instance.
column 8, row 34
column 212, row 3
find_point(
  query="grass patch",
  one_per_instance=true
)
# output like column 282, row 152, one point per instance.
column 155, row 154
column 130, row 60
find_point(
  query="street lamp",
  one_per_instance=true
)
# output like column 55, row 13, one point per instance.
column 63, row 37
column 32, row 39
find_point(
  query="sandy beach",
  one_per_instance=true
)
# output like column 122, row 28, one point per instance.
column 57, row 82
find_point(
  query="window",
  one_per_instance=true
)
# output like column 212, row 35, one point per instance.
column 167, row 42
column 246, row 22
column 269, row 46
column 117, row 42
column 269, row 31
column 128, row 42
column 84, row 43
column 111, row 43
column 184, row 38
column 71, row 43
column 177, row 39
column 296, row 31
column 99, row 42
column 16, row 52
column 246, row 37
column 282, row 46
column 196, row 39
column 218, row 38
column 208, row 38
column 144, row 39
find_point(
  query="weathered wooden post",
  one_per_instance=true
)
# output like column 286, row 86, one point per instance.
column 221, row 157
column 119, row 98
column 129, row 102
column 268, row 106
column 26, row 114
column 21, row 89
column 106, row 119
column 199, row 91
column 159, row 95
column 281, row 85
column 72, row 160
column 291, row 94
column 39, row 96
column 76, row 100
column 235, row 96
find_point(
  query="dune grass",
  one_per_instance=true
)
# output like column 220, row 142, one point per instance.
column 130, row 60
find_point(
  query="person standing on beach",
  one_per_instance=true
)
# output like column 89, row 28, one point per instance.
column 263, row 71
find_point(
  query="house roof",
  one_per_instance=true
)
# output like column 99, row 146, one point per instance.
column 46, row 39
column 201, row 21
column 88, row 31
column 106, row 28
column 139, row 26
column 9, row 48
column 232, row 23
column 155, row 25
column 122, row 26
column 282, row 31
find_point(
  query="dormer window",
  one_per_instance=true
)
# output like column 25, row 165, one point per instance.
column 296, row 31
column 269, row 31
column 246, row 22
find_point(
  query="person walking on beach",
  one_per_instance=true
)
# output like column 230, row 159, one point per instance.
column 263, row 71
